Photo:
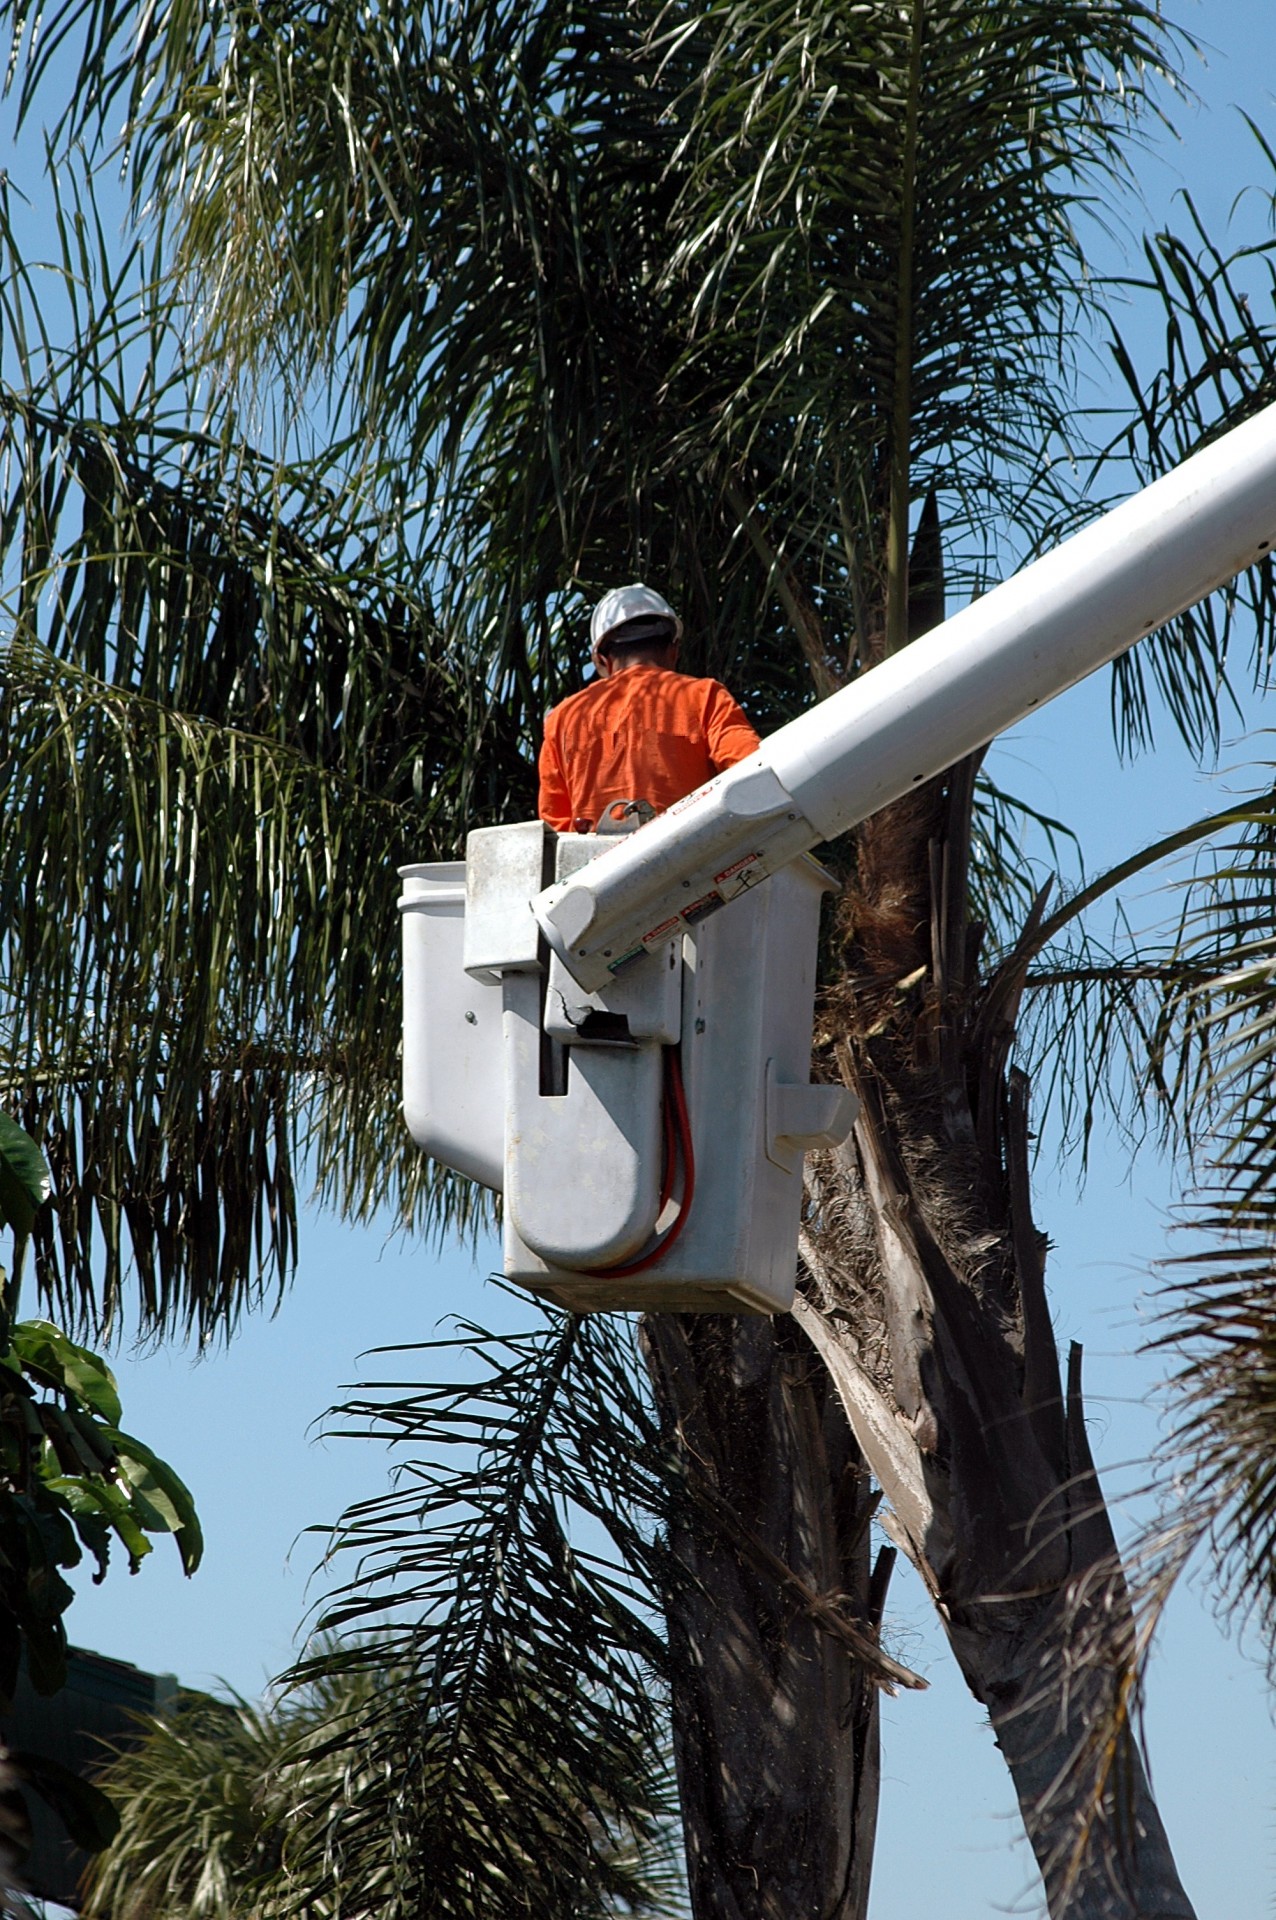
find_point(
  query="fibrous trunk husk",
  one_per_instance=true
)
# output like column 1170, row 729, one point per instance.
column 773, row 1617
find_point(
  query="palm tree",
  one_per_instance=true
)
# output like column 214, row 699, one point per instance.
column 776, row 304
column 204, row 1813
column 225, row 1807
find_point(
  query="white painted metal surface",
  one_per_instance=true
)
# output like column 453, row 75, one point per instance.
column 504, row 869
column 453, row 1080
column 582, row 1166
column 748, row 988
column 937, row 700
column 560, row 1104
column 646, row 996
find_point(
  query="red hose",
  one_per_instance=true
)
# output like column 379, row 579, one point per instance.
column 675, row 1096
column 670, row 1149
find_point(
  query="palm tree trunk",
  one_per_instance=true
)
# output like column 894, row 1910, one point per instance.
column 898, row 624
column 995, row 1499
column 775, row 1717
column 926, row 1298
column 923, row 1295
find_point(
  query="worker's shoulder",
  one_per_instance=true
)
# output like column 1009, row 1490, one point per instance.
column 695, row 689
column 709, row 698
column 714, row 688
column 638, row 687
column 574, row 703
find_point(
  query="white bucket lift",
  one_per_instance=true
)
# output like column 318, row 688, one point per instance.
column 648, row 1138
column 634, row 1075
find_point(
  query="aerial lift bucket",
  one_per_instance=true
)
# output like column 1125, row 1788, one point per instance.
column 648, row 1137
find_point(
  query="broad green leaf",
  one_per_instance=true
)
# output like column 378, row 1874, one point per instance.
column 24, row 1177
column 94, row 1531
column 153, row 1480
column 96, row 1438
column 87, row 1813
column 50, row 1543
column 67, row 1453
column 86, row 1377
column 85, row 1498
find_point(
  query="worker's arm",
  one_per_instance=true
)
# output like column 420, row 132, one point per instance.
column 555, row 803
column 727, row 732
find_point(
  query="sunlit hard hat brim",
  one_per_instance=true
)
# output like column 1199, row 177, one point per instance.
column 624, row 604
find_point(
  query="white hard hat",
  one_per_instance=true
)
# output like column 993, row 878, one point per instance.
column 623, row 604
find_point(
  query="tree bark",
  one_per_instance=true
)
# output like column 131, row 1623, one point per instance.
column 925, row 1296
column 772, row 1619
column 1046, row 1645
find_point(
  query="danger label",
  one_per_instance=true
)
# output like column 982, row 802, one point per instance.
column 665, row 931
column 739, row 873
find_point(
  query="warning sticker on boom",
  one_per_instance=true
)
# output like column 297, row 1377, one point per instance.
column 665, row 931
column 706, row 904
column 740, row 874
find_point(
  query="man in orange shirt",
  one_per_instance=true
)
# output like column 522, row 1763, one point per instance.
column 641, row 731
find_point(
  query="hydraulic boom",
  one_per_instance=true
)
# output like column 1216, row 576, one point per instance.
column 925, row 708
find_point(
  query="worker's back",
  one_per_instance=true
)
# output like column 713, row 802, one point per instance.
column 647, row 733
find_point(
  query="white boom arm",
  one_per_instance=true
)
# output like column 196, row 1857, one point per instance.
column 929, row 705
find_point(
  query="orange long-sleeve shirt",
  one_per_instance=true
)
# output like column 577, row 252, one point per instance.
column 645, row 733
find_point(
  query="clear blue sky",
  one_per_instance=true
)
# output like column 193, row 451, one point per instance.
column 240, row 1425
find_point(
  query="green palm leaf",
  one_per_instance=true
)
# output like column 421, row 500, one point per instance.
column 222, row 732
column 513, row 1574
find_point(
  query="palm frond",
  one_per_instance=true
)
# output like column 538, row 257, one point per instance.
column 222, row 731
column 1217, row 366
column 578, row 273
column 202, row 1817
column 513, row 1572
column 1217, row 1307
column 1210, row 1012
column 1005, row 877
column 829, row 159
column 1220, row 1323
column 1145, row 1025
column 223, row 1802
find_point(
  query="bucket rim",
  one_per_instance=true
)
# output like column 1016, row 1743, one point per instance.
column 432, row 883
